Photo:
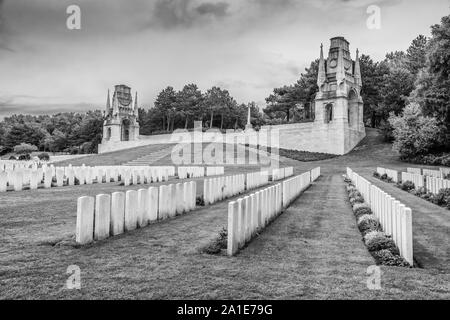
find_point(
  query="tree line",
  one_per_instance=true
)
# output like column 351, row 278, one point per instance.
column 63, row 132
column 179, row 109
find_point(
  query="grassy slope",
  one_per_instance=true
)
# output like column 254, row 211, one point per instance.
column 113, row 158
column 312, row 251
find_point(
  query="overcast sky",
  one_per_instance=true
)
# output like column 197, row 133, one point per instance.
column 248, row 46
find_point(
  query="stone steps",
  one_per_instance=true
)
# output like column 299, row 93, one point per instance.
column 150, row 159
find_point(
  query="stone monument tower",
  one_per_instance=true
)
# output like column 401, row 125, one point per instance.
column 338, row 103
column 121, row 117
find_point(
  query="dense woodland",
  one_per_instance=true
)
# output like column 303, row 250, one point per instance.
column 407, row 95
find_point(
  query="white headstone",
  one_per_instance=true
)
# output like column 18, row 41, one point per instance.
column 117, row 213
column 143, row 207
column 59, row 177
column 233, row 228
column 131, row 198
column 3, row 181
column 34, row 180
column 85, row 220
column 153, row 214
column 102, row 216
column 179, row 198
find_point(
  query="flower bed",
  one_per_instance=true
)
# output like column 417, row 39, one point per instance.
column 380, row 245
column 441, row 199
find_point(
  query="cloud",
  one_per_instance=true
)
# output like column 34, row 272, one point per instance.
column 216, row 9
column 173, row 14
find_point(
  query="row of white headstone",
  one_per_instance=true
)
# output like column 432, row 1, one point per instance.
column 281, row 173
column 417, row 179
column 296, row 185
column 15, row 164
column 249, row 215
column 217, row 189
column 197, row 172
column 215, row 171
column 315, row 173
column 21, row 177
column 394, row 217
column 257, row 179
column 393, row 174
column 110, row 215
column 431, row 184
column 190, row 172
column 434, row 185
column 440, row 174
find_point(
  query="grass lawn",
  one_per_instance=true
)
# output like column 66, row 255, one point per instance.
column 312, row 251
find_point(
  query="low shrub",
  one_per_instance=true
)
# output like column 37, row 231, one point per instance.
column 359, row 206
column 24, row 157
column 368, row 223
column 200, row 201
column 442, row 198
column 373, row 234
column 362, row 212
column 407, row 186
column 217, row 244
column 387, row 258
column 44, row 156
column 355, row 200
column 376, row 175
column 347, row 180
column 354, row 193
column 382, row 242
column 447, row 176
column 384, row 177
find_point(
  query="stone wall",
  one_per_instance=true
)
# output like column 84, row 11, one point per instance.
column 334, row 138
